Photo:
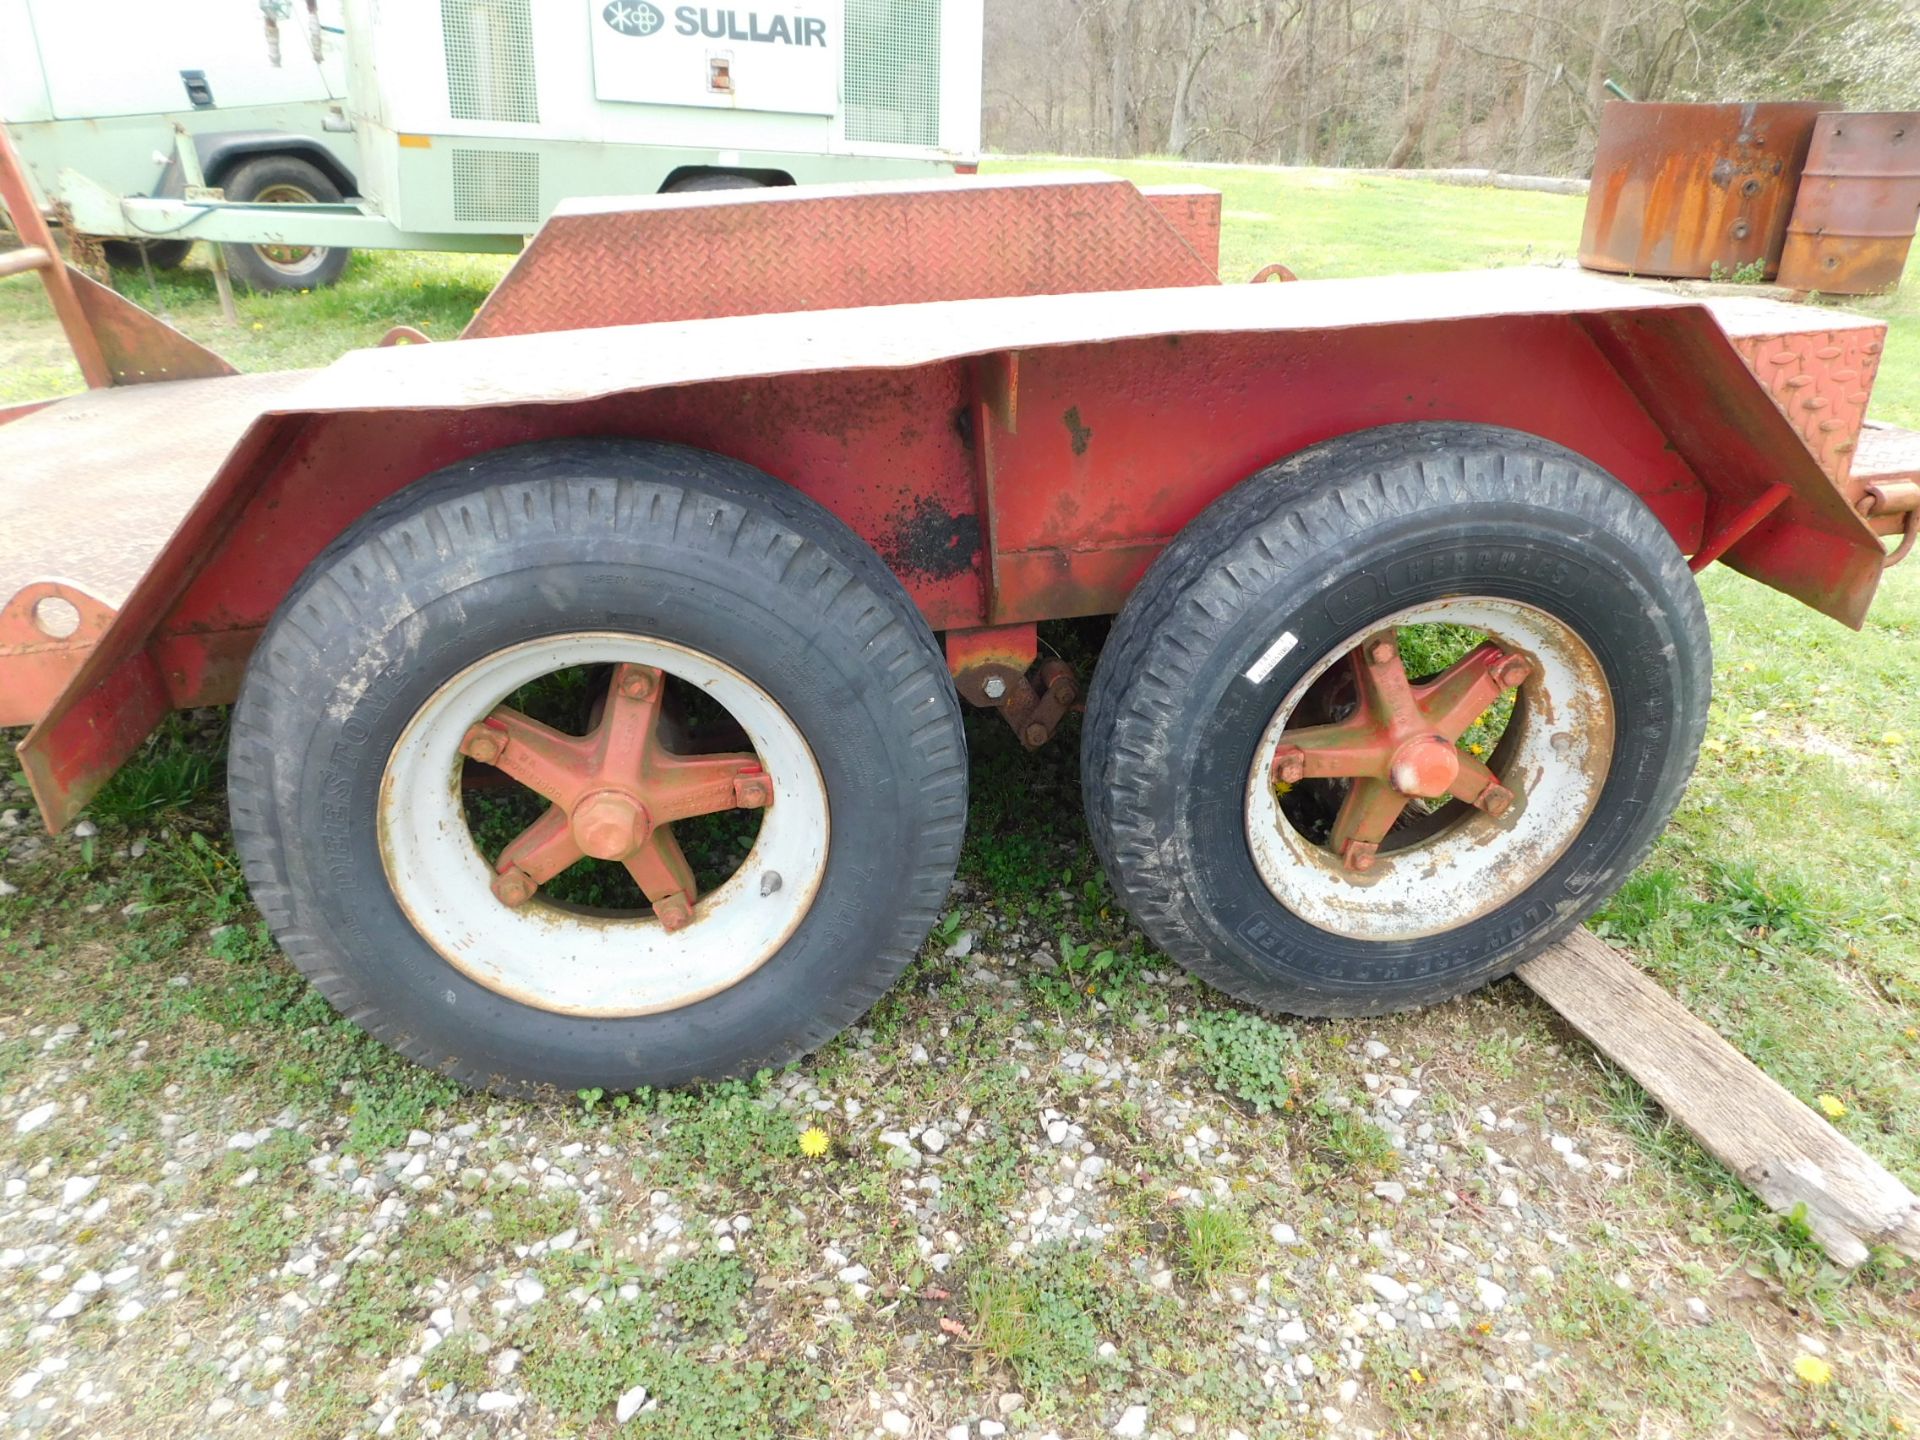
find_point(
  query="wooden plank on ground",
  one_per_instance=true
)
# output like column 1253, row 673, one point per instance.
column 1780, row 1149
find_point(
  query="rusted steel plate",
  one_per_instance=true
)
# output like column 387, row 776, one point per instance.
column 695, row 256
column 1818, row 365
column 1859, row 195
column 1680, row 189
column 141, row 348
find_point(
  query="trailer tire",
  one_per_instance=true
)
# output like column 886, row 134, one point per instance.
column 611, row 549
column 289, row 179
column 1265, row 616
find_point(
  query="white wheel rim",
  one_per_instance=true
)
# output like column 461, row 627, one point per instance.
column 1559, row 758
column 565, row 960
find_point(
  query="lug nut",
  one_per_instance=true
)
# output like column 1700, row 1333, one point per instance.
column 1360, row 854
column 1037, row 734
column 1495, row 800
column 636, row 685
column 1384, row 651
column 751, row 792
column 1513, row 671
column 1289, row 765
column 482, row 744
column 673, row 912
column 514, row 888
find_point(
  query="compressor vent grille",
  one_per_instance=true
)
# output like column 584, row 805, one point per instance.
column 489, row 45
column 892, row 64
column 496, row 185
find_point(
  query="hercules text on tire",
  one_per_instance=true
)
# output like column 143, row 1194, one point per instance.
column 598, row 764
column 1392, row 715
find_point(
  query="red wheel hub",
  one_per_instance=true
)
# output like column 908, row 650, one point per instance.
column 1401, row 742
column 615, row 793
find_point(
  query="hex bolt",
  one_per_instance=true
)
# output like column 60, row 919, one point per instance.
column 636, row 685
column 1384, row 652
column 1063, row 689
column 514, row 888
column 1289, row 764
column 1494, row 800
column 673, row 912
column 751, row 791
column 608, row 826
column 482, row 744
column 1513, row 671
column 1360, row 854
column 1037, row 734
column 995, row 686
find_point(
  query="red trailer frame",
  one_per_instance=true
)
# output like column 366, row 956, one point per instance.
column 1015, row 453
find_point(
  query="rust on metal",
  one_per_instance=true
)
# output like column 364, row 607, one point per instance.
column 1685, row 190
column 1859, row 194
column 1275, row 271
column 1401, row 743
column 138, row 346
column 994, row 667
column 806, row 248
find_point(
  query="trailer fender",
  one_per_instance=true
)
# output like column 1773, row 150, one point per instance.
column 221, row 150
column 1012, row 459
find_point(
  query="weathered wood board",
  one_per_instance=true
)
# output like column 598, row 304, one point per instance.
column 1780, row 1149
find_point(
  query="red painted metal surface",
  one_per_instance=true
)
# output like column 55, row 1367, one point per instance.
column 613, row 794
column 1679, row 190
column 804, row 248
column 1853, row 220
column 1400, row 744
column 1013, row 459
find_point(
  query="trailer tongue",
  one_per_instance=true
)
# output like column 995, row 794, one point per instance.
column 1408, row 670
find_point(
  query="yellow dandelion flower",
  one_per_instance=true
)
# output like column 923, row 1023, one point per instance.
column 1477, row 748
column 1415, row 1375
column 1893, row 737
column 1813, row 1370
column 814, row 1142
column 258, row 326
column 1833, row 1105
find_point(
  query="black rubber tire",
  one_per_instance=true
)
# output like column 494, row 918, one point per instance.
column 162, row 254
column 253, row 178
column 543, row 539
column 1319, row 545
column 713, row 180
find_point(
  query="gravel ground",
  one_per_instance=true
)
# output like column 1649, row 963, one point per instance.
column 1065, row 1192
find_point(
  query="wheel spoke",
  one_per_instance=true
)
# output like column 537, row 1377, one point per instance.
column 1348, row 748
column 535, row 856
column 1367, row 814
column 1461, row 694
column 630, row 722
column 555, row 766
column 679, row 787
column 1386, row 695
column 663, row 874
column 1480, row 787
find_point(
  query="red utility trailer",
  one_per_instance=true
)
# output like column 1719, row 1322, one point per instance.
column 597, row 675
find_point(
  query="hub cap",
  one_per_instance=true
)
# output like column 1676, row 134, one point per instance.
column 612, row 794
column 1384, row 806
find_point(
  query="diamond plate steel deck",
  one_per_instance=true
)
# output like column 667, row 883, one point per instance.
column 699, row 256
